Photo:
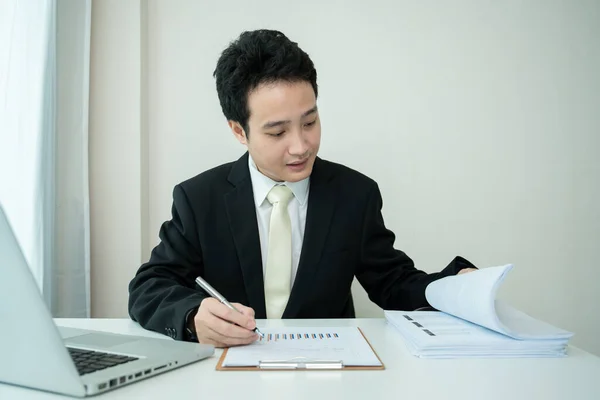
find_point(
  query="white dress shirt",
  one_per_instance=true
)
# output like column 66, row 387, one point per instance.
column 261, row 185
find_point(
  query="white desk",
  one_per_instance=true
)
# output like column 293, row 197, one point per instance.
column 574, row 377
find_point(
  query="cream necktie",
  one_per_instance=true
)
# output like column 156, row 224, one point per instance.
column 278, row 273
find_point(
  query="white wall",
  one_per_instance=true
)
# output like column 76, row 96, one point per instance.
column 116, row 141
column 478, row 120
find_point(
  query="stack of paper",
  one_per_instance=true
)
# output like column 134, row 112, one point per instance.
column 472, row 323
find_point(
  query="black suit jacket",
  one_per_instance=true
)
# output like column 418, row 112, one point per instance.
column 214, row 233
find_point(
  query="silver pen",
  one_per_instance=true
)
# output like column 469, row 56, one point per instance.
column 213, row 293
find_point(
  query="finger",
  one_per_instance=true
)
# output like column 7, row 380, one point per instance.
column 466, row 270
column 226, row 328
column 225, row 341
column 244, row 310
column 212, row 328
column 208, row 336
column 233, row 316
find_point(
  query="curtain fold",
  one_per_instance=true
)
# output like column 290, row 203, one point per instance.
column 44, row 84
column 71, row 268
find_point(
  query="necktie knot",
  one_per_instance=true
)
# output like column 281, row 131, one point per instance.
column 280, row 194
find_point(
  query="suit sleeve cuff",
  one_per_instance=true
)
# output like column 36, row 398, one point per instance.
column 456, row 265
column 189, row 327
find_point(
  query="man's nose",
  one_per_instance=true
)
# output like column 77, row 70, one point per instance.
column 298, row 145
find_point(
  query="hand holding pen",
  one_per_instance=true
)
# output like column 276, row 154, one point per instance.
column 223, row 324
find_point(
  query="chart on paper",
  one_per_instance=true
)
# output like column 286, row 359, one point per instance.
column 345, row 344
column 299, row 336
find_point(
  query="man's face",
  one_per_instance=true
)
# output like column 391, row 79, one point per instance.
column 285, row 130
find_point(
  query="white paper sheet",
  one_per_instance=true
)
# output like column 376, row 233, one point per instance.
column 469, row 296
column 345, row 344
column 472, row 297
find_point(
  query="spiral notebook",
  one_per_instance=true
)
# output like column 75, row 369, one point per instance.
column 317, row 348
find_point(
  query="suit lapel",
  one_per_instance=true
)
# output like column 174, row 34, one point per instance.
column 244, row 229
column 321, row 205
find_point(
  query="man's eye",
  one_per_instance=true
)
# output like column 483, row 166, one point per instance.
column 310, row 123
column 276, row 134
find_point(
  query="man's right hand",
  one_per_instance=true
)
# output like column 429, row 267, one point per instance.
column 221, row 326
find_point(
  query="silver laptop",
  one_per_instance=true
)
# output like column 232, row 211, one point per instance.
column 37, row 354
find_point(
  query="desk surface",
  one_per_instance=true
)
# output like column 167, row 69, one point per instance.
column 574, row 377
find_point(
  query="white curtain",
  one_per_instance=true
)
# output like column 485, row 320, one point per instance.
column 44, row 84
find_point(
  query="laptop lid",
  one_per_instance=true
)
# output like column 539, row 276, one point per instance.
column 30, row 344
column 34, row 352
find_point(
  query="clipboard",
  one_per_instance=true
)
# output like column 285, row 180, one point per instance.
column 302, row 363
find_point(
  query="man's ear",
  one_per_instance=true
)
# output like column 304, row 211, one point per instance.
column 238, row 131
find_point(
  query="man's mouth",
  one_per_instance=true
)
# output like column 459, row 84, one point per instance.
column 298, row 162
column 298, row 165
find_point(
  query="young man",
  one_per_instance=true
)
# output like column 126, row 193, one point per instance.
column 279, row 232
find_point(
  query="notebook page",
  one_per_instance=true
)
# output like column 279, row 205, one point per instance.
column 344, row 344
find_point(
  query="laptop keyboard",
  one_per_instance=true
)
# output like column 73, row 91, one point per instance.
column 88, row 361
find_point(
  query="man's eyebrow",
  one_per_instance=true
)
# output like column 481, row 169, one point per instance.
column 273, row 124
column 311, row 111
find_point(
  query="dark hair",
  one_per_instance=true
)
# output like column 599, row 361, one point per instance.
column 257, row 57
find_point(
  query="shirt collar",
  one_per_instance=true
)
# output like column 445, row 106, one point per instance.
column 262, row 185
